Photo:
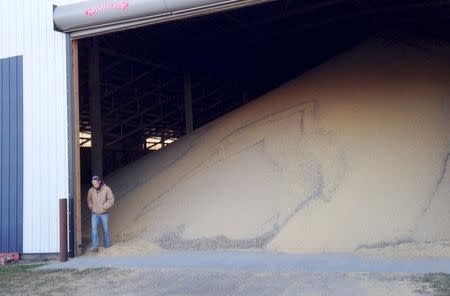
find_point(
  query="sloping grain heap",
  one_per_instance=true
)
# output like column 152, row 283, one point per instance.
column 351, row 156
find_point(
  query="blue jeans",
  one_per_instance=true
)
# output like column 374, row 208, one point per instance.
column 104, row 219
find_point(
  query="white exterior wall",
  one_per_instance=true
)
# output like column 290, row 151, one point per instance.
column 26, row 28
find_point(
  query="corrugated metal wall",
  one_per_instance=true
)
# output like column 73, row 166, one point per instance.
column 11, row 155
column 26, row 29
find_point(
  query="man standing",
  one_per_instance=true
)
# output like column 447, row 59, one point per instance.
column 100, row 199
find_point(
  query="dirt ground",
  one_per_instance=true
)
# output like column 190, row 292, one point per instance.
column 26, row 280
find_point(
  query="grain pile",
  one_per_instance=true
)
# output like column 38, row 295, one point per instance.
column 351, row 156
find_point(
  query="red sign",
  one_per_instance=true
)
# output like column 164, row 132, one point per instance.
column 109, row 5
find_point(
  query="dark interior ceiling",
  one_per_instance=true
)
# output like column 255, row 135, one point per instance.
column 231, row 57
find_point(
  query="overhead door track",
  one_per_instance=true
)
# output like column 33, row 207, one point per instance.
column 97, row 17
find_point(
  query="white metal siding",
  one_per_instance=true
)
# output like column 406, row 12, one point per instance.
column 26, row 28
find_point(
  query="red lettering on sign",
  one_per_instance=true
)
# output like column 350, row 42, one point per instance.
column 109, row 5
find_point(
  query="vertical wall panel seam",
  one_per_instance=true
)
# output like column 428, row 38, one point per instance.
column 13, row 161
column 7, row 99
column 20, row 153
column 11, row 181
column 41, row 132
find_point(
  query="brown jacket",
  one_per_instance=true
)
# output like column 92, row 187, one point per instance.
column 100, row 201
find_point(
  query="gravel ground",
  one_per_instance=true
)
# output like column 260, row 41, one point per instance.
column 209, row 282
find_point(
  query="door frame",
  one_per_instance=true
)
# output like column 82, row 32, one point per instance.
column 74, row 209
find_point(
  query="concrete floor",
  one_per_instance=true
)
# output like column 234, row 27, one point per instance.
column 255, row 260
column 259, row 273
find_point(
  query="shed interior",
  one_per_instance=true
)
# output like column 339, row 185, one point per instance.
column 139, row 88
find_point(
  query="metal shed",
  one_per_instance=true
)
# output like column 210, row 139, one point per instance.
column 39, row 95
